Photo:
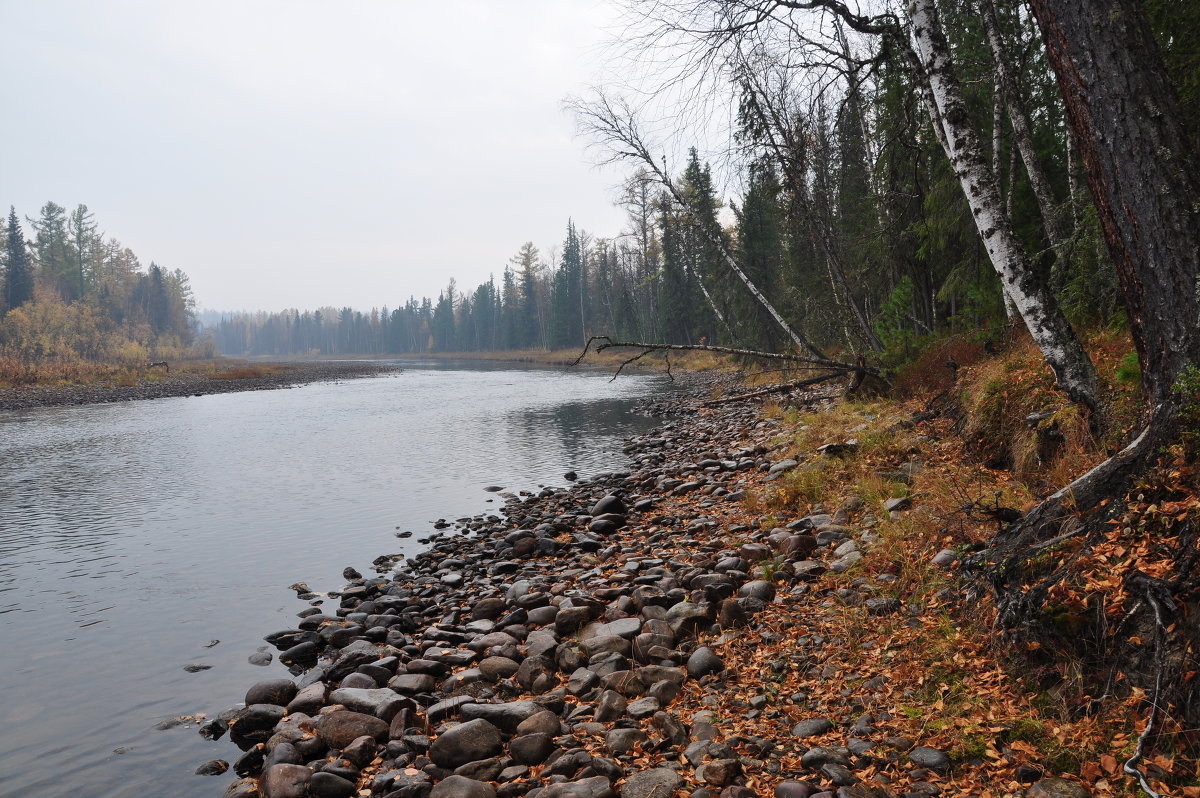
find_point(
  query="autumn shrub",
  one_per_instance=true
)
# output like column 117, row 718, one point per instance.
column 928, row 372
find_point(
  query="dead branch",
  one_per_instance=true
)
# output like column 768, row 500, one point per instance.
column 791, row 386
column 603, row 342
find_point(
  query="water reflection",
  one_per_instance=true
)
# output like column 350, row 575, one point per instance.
column 131, row 535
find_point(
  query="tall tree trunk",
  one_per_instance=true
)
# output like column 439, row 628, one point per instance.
column 781, row 137
column 1124, row 115
column 1006, row 88
column 1142, row 173
column 1047, row 325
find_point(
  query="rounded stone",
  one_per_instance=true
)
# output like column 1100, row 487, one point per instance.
column 812, row 727
column 327, row 785
column 286, row 781
column 497, row 668
column 339, row 729
column 531, row 749
column 272, row 691
column 932, row 758
column 545, row 721
column 462, row 787
column 466, row 742
column 703, row 662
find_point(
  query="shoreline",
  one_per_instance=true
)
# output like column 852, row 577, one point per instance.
column 185, row 383
column 597, row 640
column 641, row 634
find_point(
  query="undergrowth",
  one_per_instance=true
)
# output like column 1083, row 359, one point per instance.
column 1070, row 699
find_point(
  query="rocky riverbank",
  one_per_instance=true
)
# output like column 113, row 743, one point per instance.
column 160, row 384
column 636, row 634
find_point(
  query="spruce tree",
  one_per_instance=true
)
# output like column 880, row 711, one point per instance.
column 18, row 277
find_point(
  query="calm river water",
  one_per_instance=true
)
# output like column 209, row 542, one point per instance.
column 133, row 536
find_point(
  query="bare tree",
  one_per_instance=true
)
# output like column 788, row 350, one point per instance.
column 612, row 124
column 717, row 27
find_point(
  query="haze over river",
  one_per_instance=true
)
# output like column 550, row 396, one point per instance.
column 133, row 535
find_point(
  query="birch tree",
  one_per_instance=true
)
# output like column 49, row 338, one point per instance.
column 721, row 25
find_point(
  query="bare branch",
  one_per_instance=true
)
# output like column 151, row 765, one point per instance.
column 614, row 124
column 603, row 342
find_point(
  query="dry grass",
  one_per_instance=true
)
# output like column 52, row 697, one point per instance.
column 59, row 372
column 954, row 682
column 62, row 371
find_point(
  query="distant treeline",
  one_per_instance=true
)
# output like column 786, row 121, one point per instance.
column 849, row 217
column 70, row 293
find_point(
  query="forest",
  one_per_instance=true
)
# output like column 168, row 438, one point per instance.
column 70, row 294
column 849, row 214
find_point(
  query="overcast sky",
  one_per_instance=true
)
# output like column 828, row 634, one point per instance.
column 298, row 154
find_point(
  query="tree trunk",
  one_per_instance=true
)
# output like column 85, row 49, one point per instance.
column 1022, row 130
column 781, row 137
column 1045, row 321
column 1141, row 171
column 1124, row 116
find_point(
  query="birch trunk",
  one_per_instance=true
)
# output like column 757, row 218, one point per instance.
column 1022, row 130
column 1050, row 330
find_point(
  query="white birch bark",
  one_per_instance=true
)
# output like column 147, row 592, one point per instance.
column 1050, row 330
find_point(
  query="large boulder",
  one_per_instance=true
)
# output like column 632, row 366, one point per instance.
column 272, row 691
column 466, row 742
column 339, row 729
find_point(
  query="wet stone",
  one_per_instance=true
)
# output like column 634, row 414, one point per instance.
column 327, row 785
column 286, row 781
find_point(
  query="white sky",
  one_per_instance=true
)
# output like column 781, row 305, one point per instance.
column 297, row 153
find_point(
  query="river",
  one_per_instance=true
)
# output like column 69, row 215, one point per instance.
column 134, row 536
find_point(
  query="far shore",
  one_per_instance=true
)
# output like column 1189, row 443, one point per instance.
column 192, row 379
column 104, row 384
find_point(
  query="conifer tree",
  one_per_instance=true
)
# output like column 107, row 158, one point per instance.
column 18, row 271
